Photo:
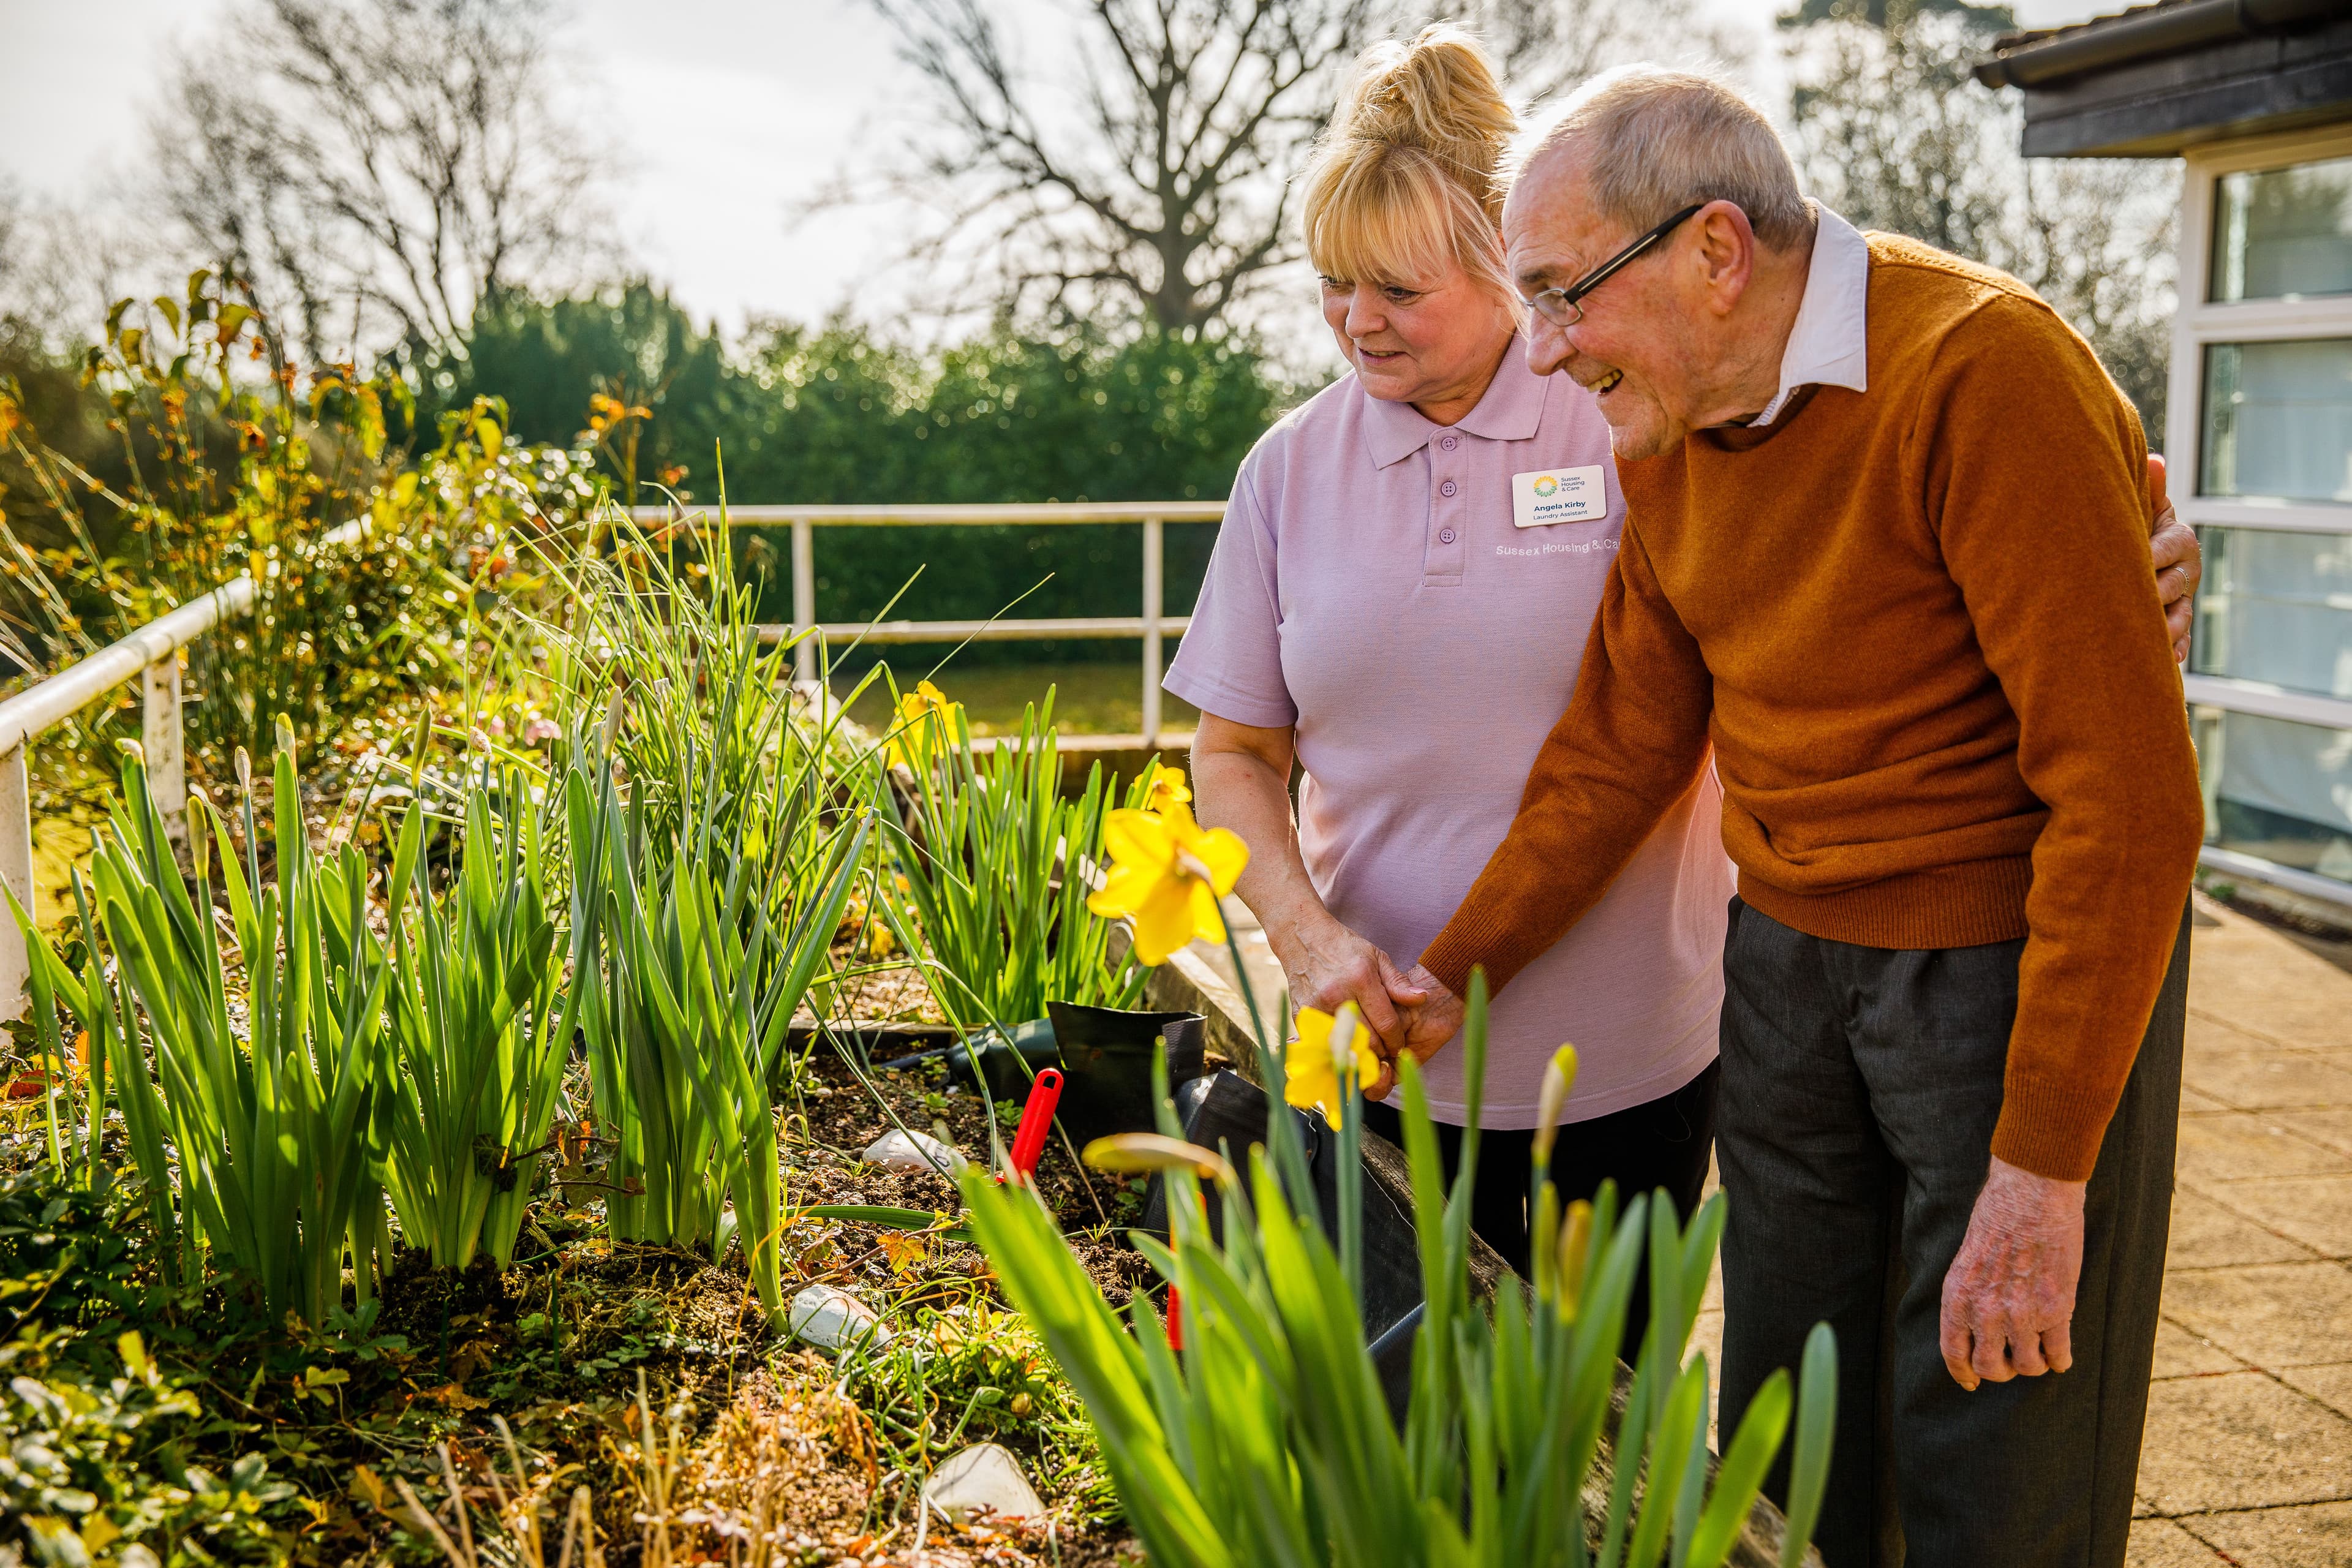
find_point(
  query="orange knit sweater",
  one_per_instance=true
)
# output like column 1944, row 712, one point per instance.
column 1919, row 627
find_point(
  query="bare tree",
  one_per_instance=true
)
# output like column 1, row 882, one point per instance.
column 1892, row 132
column 370, row 170
column 1151, row 166
column 1161, row 182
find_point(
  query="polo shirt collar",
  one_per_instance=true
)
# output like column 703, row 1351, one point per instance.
column 1827, row 344
column 1510, row 411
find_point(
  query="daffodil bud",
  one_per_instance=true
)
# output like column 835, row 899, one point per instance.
column 1346, row 1024
column 612, row 711
column 282, row 730
column 1148, row 1153
column 200, row 835
column 1558, row 1078
column 244, row 769
column 1575, row 1240
column 1547, row 1239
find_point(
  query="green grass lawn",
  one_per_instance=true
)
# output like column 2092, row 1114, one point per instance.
column 1102, row 698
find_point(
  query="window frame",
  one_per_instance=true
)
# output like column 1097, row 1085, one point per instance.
column 2199, row 322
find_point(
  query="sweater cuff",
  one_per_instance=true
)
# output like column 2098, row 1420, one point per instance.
column 1471, row 943
column 2057, row 1136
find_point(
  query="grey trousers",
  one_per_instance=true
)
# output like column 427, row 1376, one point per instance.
column 1860, row 1088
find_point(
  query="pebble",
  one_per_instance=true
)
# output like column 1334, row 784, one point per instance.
column 899, row 1151
column 982, row 1475
column 833, row 1320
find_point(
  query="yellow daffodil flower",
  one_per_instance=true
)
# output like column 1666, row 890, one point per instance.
column 1328, row 1045
column 1166, row 875
column 926, row 717
column 1168, row 788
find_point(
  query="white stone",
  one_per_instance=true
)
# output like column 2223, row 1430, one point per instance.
column 982, row 1475
column 899, row 1151
column 834, row 1319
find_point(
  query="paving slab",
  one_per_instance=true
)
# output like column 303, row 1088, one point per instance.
column 2317, row 1535
column 2234, row 969
column 2195, row 1102
column 2272, row 1315
column 2263, row 1077
column 2331, row 1385
column 2241, row 1145
column 2241, row 1440
column 2162, row 1543
column 2209, row 1234
column 2330, row 1127
column 2183, row 1353
column 2314, row 1210
column 2207, row 1034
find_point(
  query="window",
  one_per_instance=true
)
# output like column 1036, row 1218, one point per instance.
column 2278, row 420
column 2276, row 607
column 2282, row 234
column 2278, row 791
column 2260, row 416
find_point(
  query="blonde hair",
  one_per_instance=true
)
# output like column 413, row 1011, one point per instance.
column 1403, row 181
column 1657, row 140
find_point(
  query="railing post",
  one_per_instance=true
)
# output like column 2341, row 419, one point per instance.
column 17, row 870
column 803, row 597
column 162, row 739
column 1151, row 584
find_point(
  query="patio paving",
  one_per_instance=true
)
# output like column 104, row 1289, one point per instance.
column 2248, row 1456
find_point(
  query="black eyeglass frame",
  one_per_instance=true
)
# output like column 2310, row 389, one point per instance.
column 1569, row 309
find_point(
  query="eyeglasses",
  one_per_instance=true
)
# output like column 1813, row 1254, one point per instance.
column 1565, row 307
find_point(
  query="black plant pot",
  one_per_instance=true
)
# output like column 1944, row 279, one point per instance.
column 1107, row 1066
column 1000, row 1058
column 1227, row 1112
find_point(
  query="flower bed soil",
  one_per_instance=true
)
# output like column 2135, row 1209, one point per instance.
column 752, row 1432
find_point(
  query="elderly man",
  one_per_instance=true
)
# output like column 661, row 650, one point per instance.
column 1886, row 548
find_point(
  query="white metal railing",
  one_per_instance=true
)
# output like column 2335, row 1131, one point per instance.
column 1150, row 626
column 152, row 653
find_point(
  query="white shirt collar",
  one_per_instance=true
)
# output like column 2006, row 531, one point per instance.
column 1826, row 346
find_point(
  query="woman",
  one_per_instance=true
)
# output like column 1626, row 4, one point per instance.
column 1375, row 612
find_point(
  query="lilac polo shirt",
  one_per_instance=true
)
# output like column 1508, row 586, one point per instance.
column 1370, row 588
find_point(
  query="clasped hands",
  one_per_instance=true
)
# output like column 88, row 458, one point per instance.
column 1404, row 1011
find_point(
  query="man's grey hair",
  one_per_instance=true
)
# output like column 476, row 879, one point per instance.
column 1654, row 142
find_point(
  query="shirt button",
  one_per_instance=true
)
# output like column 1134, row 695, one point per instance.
column 1450, row 442
column 1446, row 488
column 1444, row 536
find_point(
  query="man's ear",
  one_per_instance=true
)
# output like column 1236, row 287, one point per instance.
column 1725, row 253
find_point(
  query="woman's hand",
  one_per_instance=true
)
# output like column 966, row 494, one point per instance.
column 2180, row 563
column 1328, row 965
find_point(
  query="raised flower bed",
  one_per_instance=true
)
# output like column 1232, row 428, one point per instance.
column 489, row 1155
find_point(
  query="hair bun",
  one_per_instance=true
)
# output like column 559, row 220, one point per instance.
column 1437, row 94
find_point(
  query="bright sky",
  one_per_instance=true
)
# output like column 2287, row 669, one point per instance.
column 731, row 110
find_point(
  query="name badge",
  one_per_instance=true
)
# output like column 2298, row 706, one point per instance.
column 1558, row 495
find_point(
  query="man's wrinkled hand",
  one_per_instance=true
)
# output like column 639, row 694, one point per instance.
column 2180, row 563
column 1429, row 1023
column 2009, row 1298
